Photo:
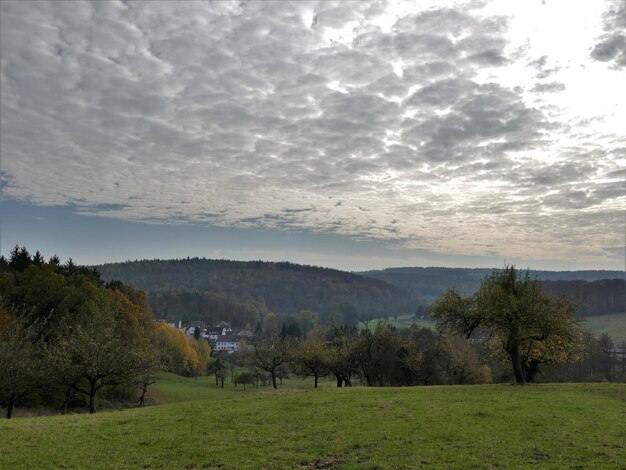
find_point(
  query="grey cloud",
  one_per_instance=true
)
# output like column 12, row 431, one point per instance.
column 541, row 65
column 456, row 22
column 611, row 45
column 443, row 93
column 429, row 70
column 489, row 57
column 472, row 114
column 548, row 87
column 611, row 49
column 545, row 73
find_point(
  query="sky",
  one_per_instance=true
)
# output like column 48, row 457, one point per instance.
column 354, row 135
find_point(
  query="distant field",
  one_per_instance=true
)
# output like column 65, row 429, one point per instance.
column 614, row 325
column 488, row 426
column 404, row 321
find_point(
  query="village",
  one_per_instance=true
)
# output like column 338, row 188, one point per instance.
column 221, row 336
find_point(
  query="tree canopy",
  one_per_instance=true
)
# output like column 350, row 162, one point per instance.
column 511, row 312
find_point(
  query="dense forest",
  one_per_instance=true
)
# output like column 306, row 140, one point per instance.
column 175, row 305
column 593, row 292
column 251, row 287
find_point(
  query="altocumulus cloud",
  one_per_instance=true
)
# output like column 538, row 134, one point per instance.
column 369, row 120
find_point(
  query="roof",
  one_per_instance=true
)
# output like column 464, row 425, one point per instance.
column 228, row 339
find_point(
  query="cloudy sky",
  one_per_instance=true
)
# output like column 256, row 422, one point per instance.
column 352, row 134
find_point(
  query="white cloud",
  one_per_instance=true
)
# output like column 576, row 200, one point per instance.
column 454, row 129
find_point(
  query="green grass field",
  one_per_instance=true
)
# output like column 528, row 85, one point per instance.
column 613, row 324
column 487, row 426
column 403, row 321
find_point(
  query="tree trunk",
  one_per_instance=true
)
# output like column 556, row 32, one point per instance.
column 10, row 407
column 367, row 375
column 143, row 396
column 516, row 362
column 69, row 394
column 315, row 381
column 92, row 398
column 339, row 381
column 531, row 371
column 274, row 379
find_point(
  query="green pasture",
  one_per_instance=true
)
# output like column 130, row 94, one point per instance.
column 485, row 426
column 402, row 321
column 613, row 324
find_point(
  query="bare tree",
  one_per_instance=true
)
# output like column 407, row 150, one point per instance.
column 270, row 352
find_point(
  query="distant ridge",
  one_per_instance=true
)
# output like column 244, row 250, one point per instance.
column 595, row 292
column 578, row 275
column 280, row 287
column 244, row 292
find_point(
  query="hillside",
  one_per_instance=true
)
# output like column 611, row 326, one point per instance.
column 465, row 427
column 252, row 286
column 593, row 298
column 595, row 292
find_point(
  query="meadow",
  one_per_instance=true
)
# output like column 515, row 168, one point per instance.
column 201, row 426
column 613, row 324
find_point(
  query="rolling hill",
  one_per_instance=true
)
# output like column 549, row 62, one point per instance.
column 594, row 292
column 254, row 286
column 245, row 292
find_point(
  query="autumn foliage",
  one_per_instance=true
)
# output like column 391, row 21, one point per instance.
column 82, row 336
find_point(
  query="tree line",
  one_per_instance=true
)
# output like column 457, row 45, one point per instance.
column 510, row 330
column 67, row 338
column 384, row 356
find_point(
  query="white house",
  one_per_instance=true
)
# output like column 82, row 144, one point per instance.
column 228, row 343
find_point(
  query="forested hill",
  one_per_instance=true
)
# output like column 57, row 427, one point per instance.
column 281, row 287
column 592, row 297
column 595, row 292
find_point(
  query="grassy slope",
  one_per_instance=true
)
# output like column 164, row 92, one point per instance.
column 173, row 388
column 613, row 324
column 493, row 426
